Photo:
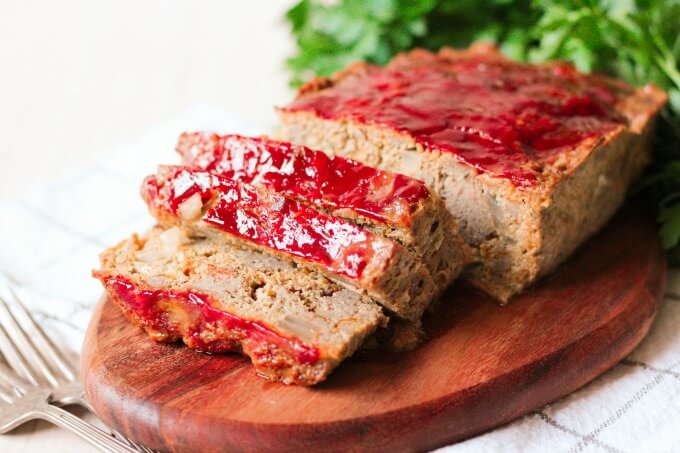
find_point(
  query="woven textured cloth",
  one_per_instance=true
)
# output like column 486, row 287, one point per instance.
column 51, row 236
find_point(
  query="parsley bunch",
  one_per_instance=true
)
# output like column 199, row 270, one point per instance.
column 635, row 40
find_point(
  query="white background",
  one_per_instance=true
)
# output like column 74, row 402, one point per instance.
column 78, row 77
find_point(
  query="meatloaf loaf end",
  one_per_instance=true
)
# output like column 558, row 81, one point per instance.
column 389, row 204
column 295, row 325
column 530, row 159
column 210, row 205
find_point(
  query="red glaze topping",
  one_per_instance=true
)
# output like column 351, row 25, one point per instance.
column 148, row 304
column 501, row 117
column 307, row 175
column 265, row 218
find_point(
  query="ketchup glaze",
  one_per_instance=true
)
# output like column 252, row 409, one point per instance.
column 266, row 218
column 501, row 117
column 147, row 305
column 307, row 175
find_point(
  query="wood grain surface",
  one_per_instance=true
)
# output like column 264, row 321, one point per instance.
column 482, row 366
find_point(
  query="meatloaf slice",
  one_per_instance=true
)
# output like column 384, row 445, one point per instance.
column 211, row 205
column 389, row 204
column 530, row 159
column 295, row 325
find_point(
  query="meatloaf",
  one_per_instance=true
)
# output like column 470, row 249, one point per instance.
column 295, row 325
column 389, row 204
column 530, row 159
column 211, row 205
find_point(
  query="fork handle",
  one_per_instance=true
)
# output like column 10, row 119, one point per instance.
column 63, row 398
column 90, row 433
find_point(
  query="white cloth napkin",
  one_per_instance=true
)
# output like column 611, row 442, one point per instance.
column 51, row 236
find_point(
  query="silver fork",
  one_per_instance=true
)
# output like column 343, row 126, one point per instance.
column 69, row 389
column 19, row 405
column 21, row 401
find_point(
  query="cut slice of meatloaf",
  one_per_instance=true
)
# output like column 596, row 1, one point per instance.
column 295, row 325
column 530, row 159
column 211, row 205
column 390, row 204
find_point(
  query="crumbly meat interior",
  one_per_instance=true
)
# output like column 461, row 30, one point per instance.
column 296, row 304
column 260, row 218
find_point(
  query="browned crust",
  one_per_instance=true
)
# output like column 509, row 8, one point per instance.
column 433, row 236
column 274, row 364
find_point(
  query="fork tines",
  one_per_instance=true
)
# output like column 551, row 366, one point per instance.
column 26, row 348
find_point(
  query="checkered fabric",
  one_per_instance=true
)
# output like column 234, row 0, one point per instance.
column 50, row 239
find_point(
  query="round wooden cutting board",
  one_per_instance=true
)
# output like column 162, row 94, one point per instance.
column 482, row 365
